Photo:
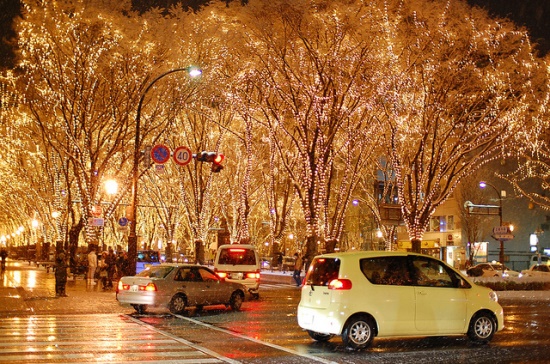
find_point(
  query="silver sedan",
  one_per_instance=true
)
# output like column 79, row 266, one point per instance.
column 178, row 286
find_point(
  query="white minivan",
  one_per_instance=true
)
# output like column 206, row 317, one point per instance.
column 360, row 295
column 239, row 263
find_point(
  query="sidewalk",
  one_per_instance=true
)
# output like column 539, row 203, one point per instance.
column 28, row 289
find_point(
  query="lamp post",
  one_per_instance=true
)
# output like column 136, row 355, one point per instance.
column 132, row 236
column 483, row 184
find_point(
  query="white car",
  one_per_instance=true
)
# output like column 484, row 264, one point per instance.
column 494, row 269
column 360, row 295
column 539, row 270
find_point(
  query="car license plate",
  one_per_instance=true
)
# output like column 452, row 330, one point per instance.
column 307, row 319
column 134, row 288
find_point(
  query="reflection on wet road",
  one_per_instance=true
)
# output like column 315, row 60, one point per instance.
column 94, row 338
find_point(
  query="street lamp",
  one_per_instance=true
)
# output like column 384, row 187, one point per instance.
column 111, row 187
column 132, row 236
column 483, row 184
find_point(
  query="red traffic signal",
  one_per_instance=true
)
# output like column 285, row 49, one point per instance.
column 211, row 157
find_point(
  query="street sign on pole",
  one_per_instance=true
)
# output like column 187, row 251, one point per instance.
column 160, row 154
column 97, row 211
column 147, row 156
column 182, row 155
column 96, row 221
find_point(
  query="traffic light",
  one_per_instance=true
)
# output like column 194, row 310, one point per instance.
column 216, row 163
column 211, row 157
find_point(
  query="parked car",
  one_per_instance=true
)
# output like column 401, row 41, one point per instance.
column 178, row 287
column 539, row 259
column 266, row 262
column 491, row 270
column 360, row 295
column 539, row 270
column 145, row 258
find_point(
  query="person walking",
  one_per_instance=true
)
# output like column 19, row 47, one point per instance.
column 92, row 265
column 297, row 269
column 110, row 262
column 60, row 275
column 3, row 255
column 280, row 261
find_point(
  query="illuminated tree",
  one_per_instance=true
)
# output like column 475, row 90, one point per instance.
column 460, row 92
column 80, row 85
column 316, row 73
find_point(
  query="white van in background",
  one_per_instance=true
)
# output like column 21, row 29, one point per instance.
column 239, row 263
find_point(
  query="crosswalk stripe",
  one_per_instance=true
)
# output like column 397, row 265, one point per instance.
column 95, row 338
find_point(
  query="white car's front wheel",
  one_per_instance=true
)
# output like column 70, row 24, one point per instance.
column 482, row 327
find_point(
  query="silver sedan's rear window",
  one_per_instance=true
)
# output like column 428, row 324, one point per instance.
column 155, row 272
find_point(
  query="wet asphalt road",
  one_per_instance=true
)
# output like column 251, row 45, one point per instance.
column 90, row 326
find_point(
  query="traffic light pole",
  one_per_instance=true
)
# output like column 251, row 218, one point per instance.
column 132, row 236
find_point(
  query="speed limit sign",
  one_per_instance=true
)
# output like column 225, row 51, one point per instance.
column 182, row 156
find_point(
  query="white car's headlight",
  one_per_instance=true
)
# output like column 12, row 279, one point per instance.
column 493, row 296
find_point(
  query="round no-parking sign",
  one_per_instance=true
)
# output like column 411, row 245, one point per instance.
column 160, row 154
column 182, row 155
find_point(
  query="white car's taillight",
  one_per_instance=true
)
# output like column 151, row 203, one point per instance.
column 340, row 284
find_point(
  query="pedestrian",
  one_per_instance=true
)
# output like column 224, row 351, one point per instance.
column 280, row 261
column 3, row 255
column 92, row 265
column 297, row 269
column 125, row 265
column 102, row 267
column 110, row 262
column 60, row 275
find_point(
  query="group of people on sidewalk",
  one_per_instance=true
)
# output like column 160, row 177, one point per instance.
column 106, row 268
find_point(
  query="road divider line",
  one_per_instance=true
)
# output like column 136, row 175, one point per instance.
column 241, row 336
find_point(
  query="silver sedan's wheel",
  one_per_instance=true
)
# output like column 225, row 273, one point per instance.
column 140, row 309
column 236, row 301
column 358, row 332
column 482, row 328
column 177, row 305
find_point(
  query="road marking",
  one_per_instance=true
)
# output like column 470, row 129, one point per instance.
column 282, row 348
column 95, row 338
column 183, row 341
